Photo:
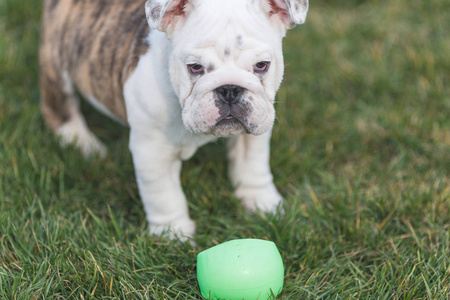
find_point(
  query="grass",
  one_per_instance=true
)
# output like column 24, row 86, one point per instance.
column 361, row 152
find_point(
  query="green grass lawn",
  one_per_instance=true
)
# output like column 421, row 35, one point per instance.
column 360, row 151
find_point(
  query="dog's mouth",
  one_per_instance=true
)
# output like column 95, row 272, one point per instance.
column 249, row 115
column 229, row 125
column 230, row 119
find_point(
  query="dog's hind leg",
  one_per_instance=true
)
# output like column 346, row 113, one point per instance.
column 60, row 108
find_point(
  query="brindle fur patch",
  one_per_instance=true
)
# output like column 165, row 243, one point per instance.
column 98, row 44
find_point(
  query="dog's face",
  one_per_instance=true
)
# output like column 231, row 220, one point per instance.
column 226, row 59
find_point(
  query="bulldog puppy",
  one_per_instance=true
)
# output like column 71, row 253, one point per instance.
column 180, row 74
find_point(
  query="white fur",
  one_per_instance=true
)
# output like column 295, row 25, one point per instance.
column 170, row 114
column 250, row 173
column 213, row 28
column 75, row 131
column 159, row 141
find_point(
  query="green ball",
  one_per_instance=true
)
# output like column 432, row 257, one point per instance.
column 247, row 269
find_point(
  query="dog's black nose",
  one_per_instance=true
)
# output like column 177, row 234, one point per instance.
column 229, row 93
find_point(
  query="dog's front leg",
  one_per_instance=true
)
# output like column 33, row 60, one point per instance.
column 250, row 173
column 158, row 165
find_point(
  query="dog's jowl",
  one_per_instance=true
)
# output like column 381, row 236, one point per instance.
column 179, row 73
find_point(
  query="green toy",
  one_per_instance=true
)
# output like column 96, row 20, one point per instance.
column 247, row 269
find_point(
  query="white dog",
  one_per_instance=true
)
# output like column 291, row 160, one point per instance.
column 202, row 69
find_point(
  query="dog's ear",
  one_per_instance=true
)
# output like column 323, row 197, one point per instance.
column 288, row 12
column 165, row 14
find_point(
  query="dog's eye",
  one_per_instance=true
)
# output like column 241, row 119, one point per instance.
column 261, row 67
column 196, row 69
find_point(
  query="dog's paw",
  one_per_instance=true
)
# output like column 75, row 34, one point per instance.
column 183, row 229
column 76, row 132
column 265, row 199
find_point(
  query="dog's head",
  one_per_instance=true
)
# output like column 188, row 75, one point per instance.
column 226, row 59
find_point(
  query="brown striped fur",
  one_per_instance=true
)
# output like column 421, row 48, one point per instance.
column 97, row 43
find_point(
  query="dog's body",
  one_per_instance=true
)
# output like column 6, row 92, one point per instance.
column 206, row 69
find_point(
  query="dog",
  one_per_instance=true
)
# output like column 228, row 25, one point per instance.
column 180, row 74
